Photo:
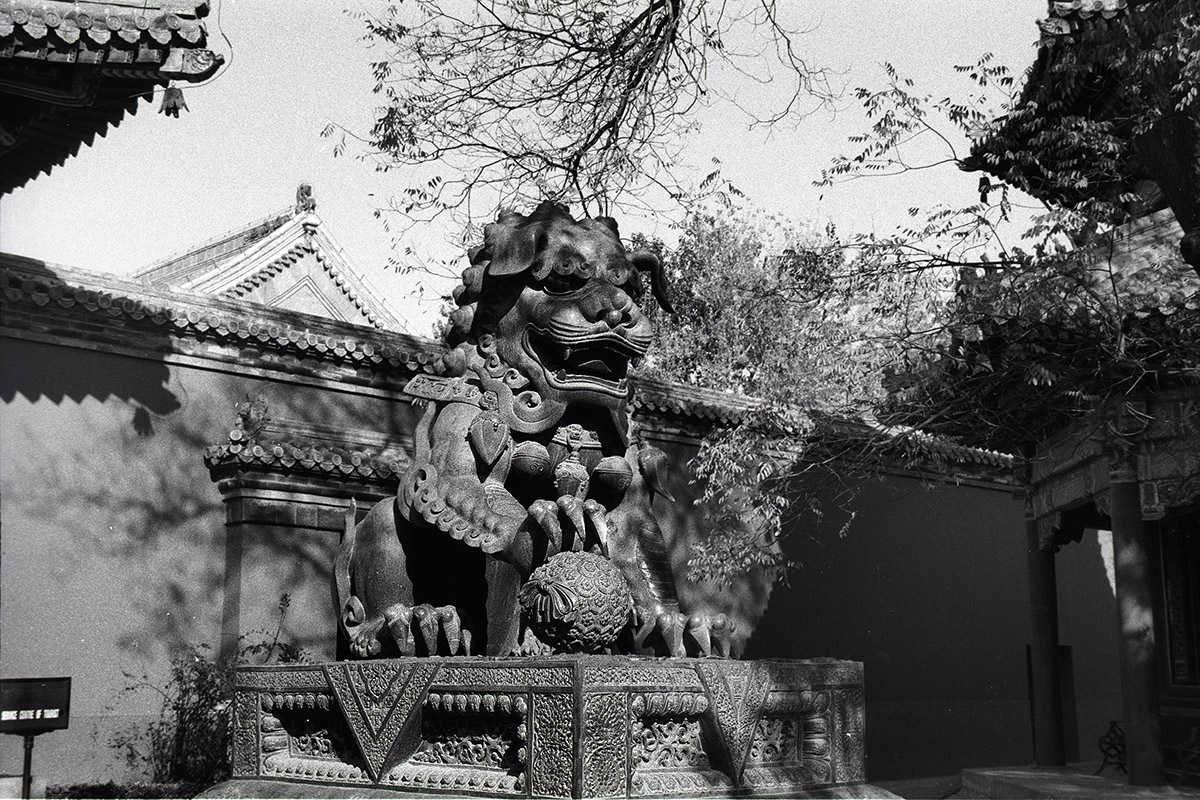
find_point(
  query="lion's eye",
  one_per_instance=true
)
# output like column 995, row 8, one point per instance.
column 617, row 275
column 557, row 283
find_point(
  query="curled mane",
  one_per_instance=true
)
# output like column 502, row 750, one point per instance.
column 516, row 244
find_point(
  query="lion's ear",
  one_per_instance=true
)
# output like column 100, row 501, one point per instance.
column 645, row 261
column 513, row 248
column 478, row 254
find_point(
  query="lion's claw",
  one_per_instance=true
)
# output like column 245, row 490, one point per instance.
column 365, row 643
column 572, row 509
column 712, row 635
column 430, row 621
column 706, row 636
column 576, row 534
column 531, row 645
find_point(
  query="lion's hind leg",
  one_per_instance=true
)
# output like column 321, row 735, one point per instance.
column 363, row 633
column 372, row 579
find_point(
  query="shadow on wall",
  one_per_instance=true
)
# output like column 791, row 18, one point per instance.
column 684, row 525
column 113, row 549
column 77, row 374
column 104, row 458
column 927, row 588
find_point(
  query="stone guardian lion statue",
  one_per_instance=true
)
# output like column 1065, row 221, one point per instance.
column 524, row 468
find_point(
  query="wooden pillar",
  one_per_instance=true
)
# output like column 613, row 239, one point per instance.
column 1045, row 677
column 1135, row 579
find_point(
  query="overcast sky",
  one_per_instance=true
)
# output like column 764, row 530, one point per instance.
column 156, row 186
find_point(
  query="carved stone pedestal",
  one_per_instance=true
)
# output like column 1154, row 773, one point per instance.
column 559, row 726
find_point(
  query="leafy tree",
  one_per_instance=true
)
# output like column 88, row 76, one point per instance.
column 785, row 314
column 997, row 325
column 583, row 101
column 1100, row 91
column 1048, row 322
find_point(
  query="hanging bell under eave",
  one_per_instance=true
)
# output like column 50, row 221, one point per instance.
column 172, row 102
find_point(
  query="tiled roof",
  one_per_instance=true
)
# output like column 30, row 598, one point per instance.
column 236, row 263
column 676, row 399
column 921, row 444
column 29, row 282
column 1065, row 17
column 1086, row 9
column 86, row 27
column 302, row 234
column 723, row 408
column 24, row 280
column 70, row 70
column 178, row 269
column 305, row 459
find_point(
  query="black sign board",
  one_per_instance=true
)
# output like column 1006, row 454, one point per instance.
column 34, row 705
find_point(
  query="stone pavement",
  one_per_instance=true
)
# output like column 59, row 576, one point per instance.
column 1061, row 783
column 1008, row 783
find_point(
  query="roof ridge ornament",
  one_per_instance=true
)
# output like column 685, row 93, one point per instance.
column 305, row 202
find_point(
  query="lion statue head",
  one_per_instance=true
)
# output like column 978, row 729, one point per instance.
column 549, row 314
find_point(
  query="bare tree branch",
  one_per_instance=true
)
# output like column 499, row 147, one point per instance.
column 584, row 101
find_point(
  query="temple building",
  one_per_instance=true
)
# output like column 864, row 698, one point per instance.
column 288, row 261
column 1098, row 122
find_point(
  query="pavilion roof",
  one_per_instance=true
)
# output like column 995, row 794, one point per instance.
column 185, row 265
column 236, row 263
column 70, row 70
column 1072, row 134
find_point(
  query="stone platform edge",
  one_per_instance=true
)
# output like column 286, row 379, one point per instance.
column 555, row 726
column 243, row 788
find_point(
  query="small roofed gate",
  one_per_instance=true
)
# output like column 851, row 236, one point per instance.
column 1135, row 471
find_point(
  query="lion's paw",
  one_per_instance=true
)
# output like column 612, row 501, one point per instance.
column 700, row 634
column 433, row 625
column 364, row 642
column 571, row 524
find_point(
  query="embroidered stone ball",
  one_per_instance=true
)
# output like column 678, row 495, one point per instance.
column 576, row 602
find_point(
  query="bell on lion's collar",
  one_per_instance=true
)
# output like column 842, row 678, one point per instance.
column 172, row 102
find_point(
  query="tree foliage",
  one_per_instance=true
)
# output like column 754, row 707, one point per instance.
column 782, row 311
column 786, row 314
column 1097, row 88
column 583, row 101
column 996, row 326
column 1049, row 319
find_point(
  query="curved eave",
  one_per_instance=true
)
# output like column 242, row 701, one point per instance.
column 69, row 71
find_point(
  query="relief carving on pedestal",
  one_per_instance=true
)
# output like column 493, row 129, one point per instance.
column 552, row 746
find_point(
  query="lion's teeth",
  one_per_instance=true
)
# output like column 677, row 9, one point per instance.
column 567, row 353
column 561, row 375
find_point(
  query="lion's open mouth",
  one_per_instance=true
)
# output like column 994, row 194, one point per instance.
column 600, row 363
